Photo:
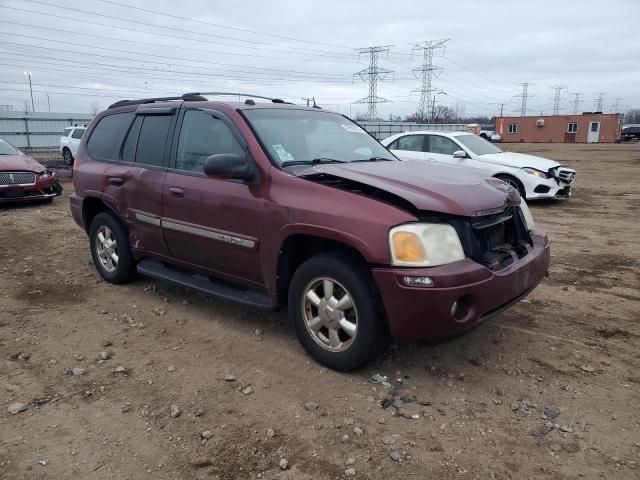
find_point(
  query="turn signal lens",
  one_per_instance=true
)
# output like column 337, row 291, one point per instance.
column 407, row 247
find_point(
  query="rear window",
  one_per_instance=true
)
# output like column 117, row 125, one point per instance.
column 107, row 136
column 77, row 133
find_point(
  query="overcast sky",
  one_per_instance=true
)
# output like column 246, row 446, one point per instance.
column 101, row 51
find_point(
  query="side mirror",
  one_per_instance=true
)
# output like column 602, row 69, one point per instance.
column 227, row 166
column 459, row 154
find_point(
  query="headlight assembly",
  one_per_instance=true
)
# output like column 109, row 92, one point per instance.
column 46, row 174
column 528, row 218
column 424, row 245
column 536, row 172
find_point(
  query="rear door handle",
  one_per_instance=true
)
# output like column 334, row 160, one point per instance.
column 176, row 192
column 116, row 181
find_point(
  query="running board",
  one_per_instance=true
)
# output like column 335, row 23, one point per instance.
column 158, row 271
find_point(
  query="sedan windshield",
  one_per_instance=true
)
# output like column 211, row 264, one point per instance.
column 478, row 145
column 294, row 137
column 7, row 149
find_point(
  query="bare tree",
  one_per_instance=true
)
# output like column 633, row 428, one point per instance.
column 95, row 108
column 632, row 116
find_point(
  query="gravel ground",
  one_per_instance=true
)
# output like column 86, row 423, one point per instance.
column 152, row 381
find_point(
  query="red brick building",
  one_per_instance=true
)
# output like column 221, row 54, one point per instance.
column 584, row 128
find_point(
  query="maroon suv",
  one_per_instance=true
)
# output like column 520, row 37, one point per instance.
column 274, row 205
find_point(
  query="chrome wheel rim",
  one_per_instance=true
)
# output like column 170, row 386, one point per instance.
column 67, row 156
column 107, row 249
column 329, row 314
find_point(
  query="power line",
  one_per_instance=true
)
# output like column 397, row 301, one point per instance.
column 525, row 96
column 253, row 44
column 66, row 31
column 371, row 75
column 223, row 26
column 556, row 97
column 576, row 101
column 426, row 72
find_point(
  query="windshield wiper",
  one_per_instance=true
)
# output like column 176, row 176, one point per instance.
column 315, row 161
column 374, row 159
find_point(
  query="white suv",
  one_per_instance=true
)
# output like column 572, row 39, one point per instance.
column 534, row 177
column 70, row 141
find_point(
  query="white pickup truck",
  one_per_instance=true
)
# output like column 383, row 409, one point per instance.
column 69, row 142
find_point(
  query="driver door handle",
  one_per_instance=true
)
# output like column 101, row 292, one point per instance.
column 116, row 181
column 176, row 192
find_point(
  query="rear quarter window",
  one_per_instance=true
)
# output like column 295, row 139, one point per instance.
column 77, row 133
column 108, row 135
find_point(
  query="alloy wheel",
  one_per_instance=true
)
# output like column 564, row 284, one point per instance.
column 107, row 249
column 330, row 314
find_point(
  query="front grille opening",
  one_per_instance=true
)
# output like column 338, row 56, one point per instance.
column 542, row 189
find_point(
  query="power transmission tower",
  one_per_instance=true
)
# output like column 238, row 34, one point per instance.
column 576, row 101
column 556, row 98
column 599, row 100
column 616, row 106
column 310, row 99
column 371, row 75
column 426, row 72
column 524, row 95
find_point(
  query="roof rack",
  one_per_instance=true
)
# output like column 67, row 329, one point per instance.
column 236, row 94
column 187, row 97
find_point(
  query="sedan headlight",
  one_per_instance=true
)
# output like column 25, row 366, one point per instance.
column 536, row 173
column 424, row 245
column 46, row 174
column 528, row 218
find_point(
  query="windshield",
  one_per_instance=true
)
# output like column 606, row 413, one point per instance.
column 7, row 149
column 477, row 145
column 306, row 136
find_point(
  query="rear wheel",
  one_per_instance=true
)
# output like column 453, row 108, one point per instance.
column 67, row 156
column 109, row 242
column 515, row 183
column 335, row 309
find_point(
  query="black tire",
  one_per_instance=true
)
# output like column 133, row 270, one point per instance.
column 515, row 183
column 125, row 269
column 67, row 156
column 351, row 278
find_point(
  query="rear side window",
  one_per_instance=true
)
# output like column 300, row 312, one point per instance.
column 67, row 132
column 411, row 143
column 130, row 144
column 107, row 136
column 203, row 135
column 153, row 136
column 77, row 133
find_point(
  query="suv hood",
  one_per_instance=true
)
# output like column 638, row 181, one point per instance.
column 519, row 160
column 18, row 163
column 438, row 188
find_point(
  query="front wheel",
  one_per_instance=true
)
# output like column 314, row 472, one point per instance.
column 515, row 183
column 109, row 242
column 334, row 305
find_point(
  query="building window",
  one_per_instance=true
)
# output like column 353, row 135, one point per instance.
column 512, row 128
column 572, row 127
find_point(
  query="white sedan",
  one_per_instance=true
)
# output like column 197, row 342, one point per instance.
column 534, row 177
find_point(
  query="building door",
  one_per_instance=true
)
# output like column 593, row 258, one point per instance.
column 593, row 136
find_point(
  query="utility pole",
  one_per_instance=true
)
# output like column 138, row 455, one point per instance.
column 556, row 98
column 501, row 107
column 28, row 74
column 49, row 103
column 524, row 95
column 427, row 72
column 371, row 75
column 576, row 101
column 599, row 100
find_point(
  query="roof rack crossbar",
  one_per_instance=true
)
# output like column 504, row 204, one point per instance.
column 187, row 97
column 237, row 94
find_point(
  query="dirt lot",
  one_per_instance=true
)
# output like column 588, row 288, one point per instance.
column 549, row 389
